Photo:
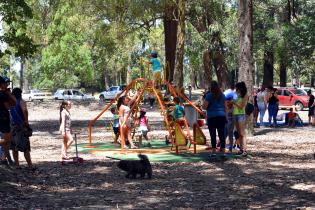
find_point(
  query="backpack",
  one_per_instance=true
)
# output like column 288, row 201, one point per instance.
column 249, row 109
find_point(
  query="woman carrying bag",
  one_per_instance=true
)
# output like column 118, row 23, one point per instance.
column 20, row 130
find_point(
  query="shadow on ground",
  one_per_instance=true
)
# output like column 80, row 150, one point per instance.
column 237, row 184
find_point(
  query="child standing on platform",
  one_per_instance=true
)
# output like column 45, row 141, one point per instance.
column 115, row 113
column 156, row 68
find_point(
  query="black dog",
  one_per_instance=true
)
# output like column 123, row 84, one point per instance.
column 134, row 167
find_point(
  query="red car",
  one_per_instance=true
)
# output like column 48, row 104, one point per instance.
column 293, row 96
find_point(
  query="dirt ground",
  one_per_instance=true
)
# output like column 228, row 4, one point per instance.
column 280, row 174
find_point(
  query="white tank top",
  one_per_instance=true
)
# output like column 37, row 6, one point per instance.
column 126, row 112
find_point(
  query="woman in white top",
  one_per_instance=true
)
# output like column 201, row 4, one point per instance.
column 125, row 127
column 262, row 104
column 65, row 128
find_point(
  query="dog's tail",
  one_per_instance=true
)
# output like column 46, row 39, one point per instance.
column 144, row 158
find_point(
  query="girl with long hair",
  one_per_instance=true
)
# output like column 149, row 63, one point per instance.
column 239, row 114
column 65, row 128
column 125, row 126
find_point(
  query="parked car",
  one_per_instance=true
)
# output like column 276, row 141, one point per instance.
column 71, row 94
column 306, row 89
column 112, row 92
column 293, row 96
column 36, row 95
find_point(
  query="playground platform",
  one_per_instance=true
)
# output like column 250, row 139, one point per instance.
column 157, row 151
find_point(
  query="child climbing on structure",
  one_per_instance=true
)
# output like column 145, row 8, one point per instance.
column 115, row 113
column 179, row 116
column 144, row 126
column 156, row 68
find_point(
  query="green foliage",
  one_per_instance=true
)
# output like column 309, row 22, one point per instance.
column 14, row 14
column 92, row 43
column 67, row 59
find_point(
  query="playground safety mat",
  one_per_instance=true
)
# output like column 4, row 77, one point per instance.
column 157, row 151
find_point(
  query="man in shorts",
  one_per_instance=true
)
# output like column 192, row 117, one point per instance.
column 7, row 100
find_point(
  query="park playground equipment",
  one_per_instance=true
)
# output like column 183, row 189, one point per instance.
column 176, row 134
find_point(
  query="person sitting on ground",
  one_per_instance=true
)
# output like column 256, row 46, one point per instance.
column 291, row 118
column 179, row 116
column 144, row 126
column 115, row 113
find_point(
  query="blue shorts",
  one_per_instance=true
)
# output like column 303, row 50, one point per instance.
column 240, row 118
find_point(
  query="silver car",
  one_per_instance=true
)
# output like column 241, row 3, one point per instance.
column 72, row 94
column 112, row 92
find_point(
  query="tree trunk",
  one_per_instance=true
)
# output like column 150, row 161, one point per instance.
column 245, row 24
column 207, row 68
column 221, row 69
column 268, row 68
column 170, row 39
column 201, row 79
column 218, row 60
column 283, row 73
column 106, row 78
column 193, row 76
column 178, row 72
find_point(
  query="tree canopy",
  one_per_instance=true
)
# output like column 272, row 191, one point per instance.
column 96, row 43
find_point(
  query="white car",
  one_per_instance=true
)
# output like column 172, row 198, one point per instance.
column 36, row 95
column 72, row 94
column 112, row 92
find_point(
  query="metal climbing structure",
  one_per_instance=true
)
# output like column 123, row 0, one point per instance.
column 176, row 134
